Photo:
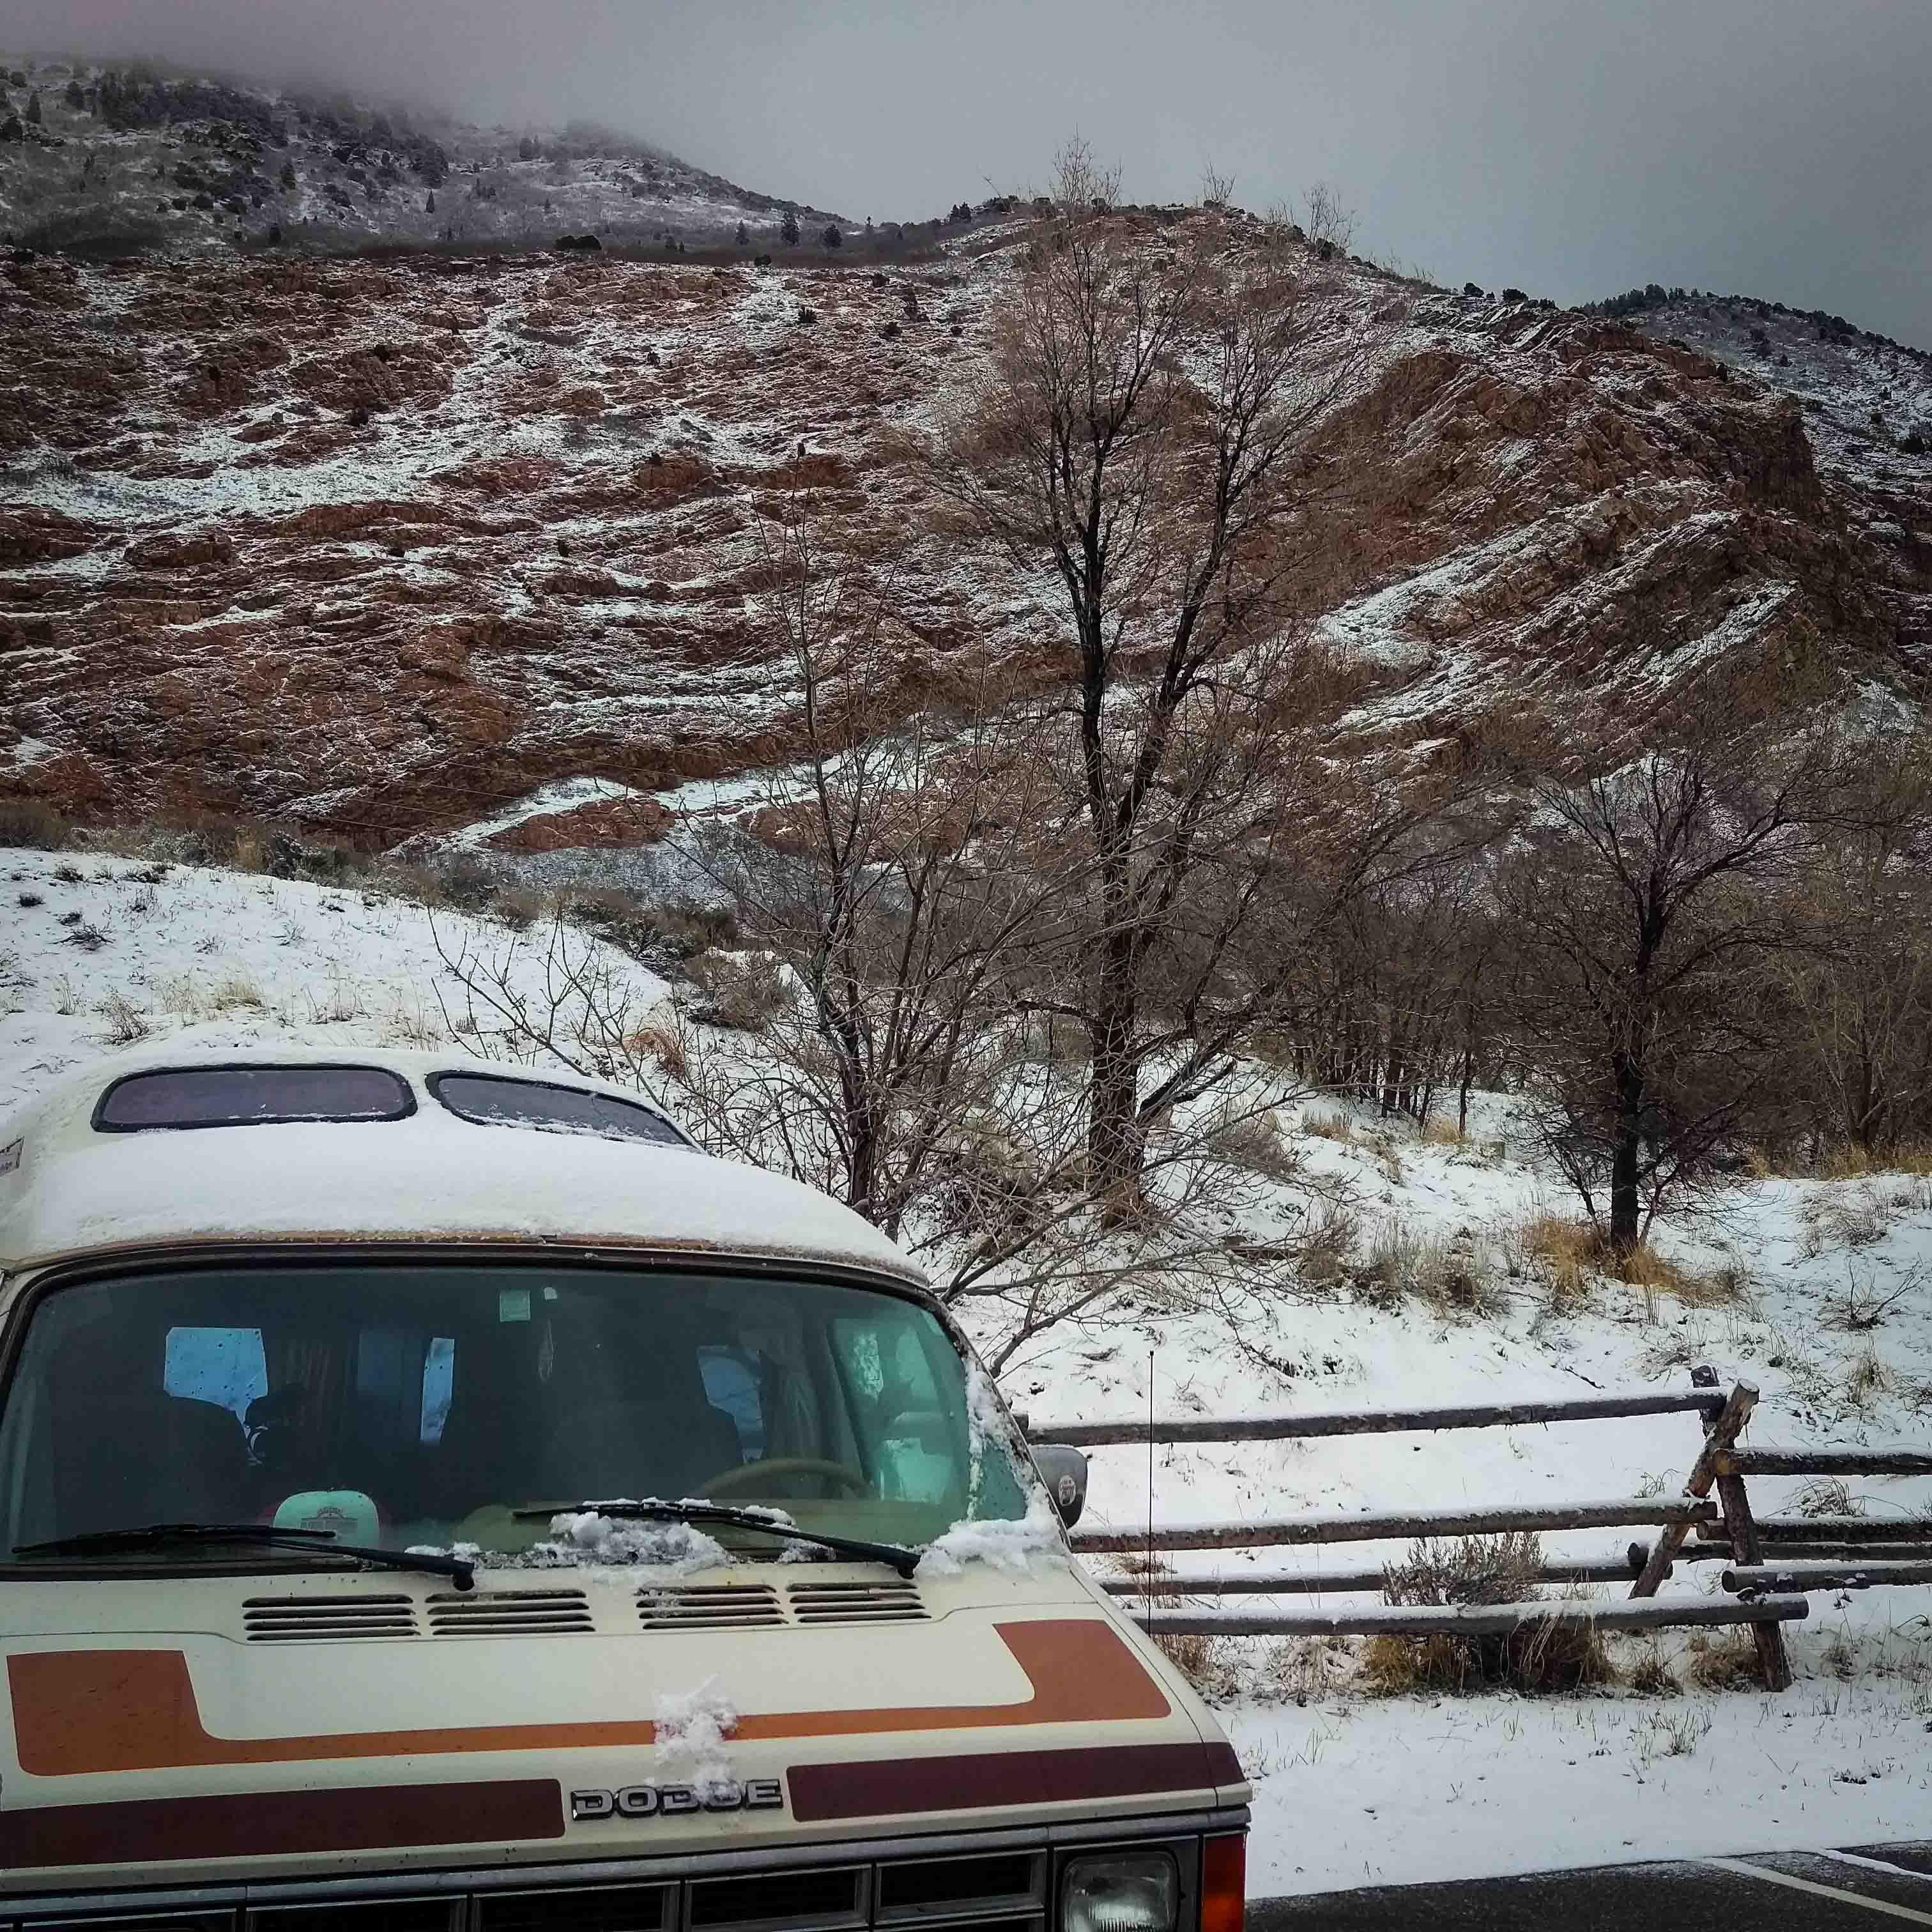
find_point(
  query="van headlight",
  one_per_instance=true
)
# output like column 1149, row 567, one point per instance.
column 1119, row 1892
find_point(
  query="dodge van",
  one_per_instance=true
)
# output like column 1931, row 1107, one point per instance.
column 433, row 1494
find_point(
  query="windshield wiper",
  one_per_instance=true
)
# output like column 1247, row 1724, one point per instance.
column 460, row 1570
column 904, row 1561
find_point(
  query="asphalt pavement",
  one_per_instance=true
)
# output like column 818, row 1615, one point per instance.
column 1860, row 1889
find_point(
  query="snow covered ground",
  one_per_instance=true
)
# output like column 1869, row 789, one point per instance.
column 1817, row 1290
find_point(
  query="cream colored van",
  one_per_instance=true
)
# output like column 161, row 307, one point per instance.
column 435, row 1496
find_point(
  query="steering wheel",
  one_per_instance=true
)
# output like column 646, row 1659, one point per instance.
column 748, row 1475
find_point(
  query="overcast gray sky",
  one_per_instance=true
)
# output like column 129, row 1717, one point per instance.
column 1573, row 147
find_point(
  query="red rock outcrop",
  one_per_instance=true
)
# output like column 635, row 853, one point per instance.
column 379, row 547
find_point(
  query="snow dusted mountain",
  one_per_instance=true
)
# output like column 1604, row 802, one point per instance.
column 115, row 158
column 453, row 540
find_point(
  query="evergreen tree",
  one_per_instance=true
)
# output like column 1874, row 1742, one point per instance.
column 788, row 229
column 833, row 239
column 33, row 107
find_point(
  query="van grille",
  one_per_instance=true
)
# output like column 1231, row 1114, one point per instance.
column 383, row 1914
column 509, row 1613
column 857, row 1603
column 609, row 1908
column 925, row 1889
column 814, row 1898
column 725, row 1606
column 986, row 1891
column 312, row 1619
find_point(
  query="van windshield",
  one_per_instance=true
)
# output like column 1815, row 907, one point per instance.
column 428, row 1405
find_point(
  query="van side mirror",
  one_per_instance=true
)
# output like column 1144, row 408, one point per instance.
column 1063, row 1471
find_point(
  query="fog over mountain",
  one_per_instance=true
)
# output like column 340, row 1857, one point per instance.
column 1770, row 147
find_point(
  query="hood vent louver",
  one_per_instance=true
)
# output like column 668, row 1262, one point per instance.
column 326, row 1619
column 722, row 1606
column 509, row 1613
column 857, row 1603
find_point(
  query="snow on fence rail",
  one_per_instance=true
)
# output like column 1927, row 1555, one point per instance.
column 1473, row 1619
column 1391, row 1526
column 1763, row 1595
column 1373, row 1421
column 1308, row 1583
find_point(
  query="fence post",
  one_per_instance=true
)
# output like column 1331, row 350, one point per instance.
column 1719, row 1438
column 1773, row 1659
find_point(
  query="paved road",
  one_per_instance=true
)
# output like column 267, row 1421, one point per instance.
column 1863, row 1888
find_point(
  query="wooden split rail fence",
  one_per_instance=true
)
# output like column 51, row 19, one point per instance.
column 1764, row 1591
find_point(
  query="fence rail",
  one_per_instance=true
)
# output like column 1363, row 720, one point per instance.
column 1845, row 1529
column 1398, row 1526
column 1474, row 1619
column 1889, row 1461
column 1320, row 1582
column 1753, row 1578
column 1371, row 1422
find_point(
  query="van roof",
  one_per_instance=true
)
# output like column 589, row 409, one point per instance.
column 68, row 1187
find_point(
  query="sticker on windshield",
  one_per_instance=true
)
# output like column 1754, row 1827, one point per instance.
column 513, row 1304
column 10, row 1156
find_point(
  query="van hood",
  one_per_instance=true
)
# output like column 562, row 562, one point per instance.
column 183, row 1729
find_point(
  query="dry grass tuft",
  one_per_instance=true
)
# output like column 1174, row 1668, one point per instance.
column 1329, row 1127
column 1574, row 1252
column 233, row 992
column 1723, row 1661
column 1652, row 1676
column 663, row 1045
column 1440, row 1133
column 1210, row 1663
column 1450, row 1274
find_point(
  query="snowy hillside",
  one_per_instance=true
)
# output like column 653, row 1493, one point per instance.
column 1440, row 1293
column 119, row 159
column 393, row 547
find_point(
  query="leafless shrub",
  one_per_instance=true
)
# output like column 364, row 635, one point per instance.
column 1325, row 218
column 1825, row 1495
column 1863, row 1307
column 37, row 827
column 127, row 1023
column 1253, row 1141
column 1555, row 1654
column 742, row 992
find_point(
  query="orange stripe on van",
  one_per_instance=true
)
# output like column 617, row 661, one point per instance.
column 80, row 1710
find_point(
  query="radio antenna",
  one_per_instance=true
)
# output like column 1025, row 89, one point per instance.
column 1149, row 1573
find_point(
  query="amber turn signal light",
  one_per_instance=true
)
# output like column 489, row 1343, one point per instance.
column 1224, row 1883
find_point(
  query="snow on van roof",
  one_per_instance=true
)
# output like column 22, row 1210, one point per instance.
column 67, row 1188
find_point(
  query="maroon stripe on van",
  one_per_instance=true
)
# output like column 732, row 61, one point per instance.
column 890, row 1787
column 264, row 1824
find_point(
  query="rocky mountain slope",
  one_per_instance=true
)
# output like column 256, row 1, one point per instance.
column 117, row 158
column 408, row 544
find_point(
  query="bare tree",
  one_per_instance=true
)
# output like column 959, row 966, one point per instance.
column 1636, row 902
column 1859, row 985
column 1217, row 190
column 1141, row 430
column 1326, row 219
column 908, row 886
column 1080, row 184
